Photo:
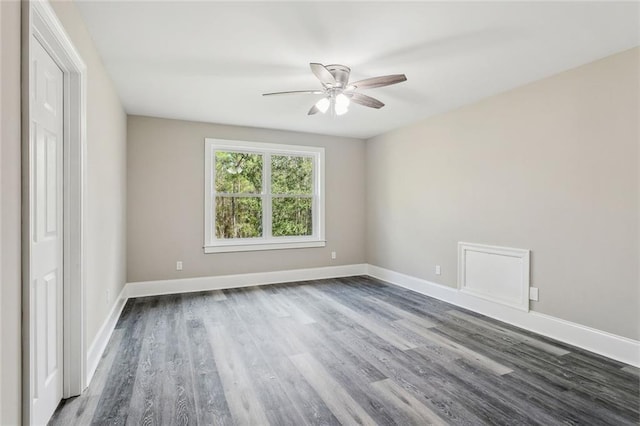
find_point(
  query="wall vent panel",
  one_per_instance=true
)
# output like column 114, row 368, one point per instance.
column 498, row 274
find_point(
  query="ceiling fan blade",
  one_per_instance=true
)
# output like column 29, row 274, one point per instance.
column 314, row 110
column 296, row 92
column 322, row 73
column 365, row 100
column 386, row 80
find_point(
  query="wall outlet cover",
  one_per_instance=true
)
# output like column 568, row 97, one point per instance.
column 533, row 293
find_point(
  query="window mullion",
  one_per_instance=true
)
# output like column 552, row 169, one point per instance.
column 315, row 201
column 212, row 196
column 266, row 196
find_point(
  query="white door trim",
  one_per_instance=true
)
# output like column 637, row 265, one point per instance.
column 40, row 22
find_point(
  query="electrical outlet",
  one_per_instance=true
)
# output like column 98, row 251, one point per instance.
column 534, row 294
column 179, row 265
column 333, row 255
column 437, row 269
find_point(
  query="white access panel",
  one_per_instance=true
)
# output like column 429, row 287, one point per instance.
column 498, row 274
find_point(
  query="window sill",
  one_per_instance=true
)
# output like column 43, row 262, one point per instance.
column 228, row 248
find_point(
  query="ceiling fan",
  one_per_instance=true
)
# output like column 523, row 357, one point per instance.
column 338, row 92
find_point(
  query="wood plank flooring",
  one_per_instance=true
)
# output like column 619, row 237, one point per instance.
column 351, row 351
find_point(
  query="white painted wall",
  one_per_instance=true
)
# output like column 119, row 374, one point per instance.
column 165, row 204
column 105, row 228
column 551, row 167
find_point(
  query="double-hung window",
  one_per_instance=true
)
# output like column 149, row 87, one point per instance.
column 261, row 196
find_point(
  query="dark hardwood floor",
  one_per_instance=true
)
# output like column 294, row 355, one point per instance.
column 341, row 351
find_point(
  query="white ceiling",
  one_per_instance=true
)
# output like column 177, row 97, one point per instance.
column 211, row 61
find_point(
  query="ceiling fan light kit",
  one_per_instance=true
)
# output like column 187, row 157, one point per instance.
column 338, row 93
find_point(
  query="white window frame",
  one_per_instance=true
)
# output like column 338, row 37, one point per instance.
column 266, row 242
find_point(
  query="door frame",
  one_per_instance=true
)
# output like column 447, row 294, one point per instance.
column 39, row 22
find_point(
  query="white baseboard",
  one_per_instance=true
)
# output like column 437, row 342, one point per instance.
column 99, row 344
column 187, row 285
column 603, row 343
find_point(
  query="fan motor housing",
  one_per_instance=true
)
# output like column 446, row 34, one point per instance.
column 340, row 73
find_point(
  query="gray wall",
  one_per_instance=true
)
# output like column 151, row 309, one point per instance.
column 165, row 162
column 551, row 167
column 105, row 209
column 10, row 267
